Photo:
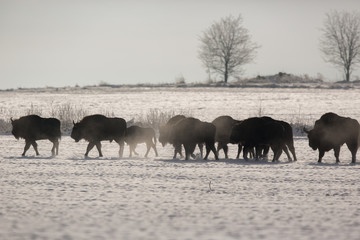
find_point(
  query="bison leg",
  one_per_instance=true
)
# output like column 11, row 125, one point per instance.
column 189, row 149
column 210, row 147
column 277, row 153
column 131, row 150
column 89, row 147
column 251, row 152
column 177, row 149
column 321, row 155
column 219, row 147
column 98, row 146
column 286, row 150
column 135, row 150
column 353, row 149
column 292, row 150
column 226, row 149
column 55, row 148
column 265, row 152
column 155, row 150
column 246, row 149
column 258, row 150
column 201, row 146
column 239, row 151
column 353, row 156
column 34, row 144
column 27, row 146
column 148, row 147
column 207, row 151
column 121, row 147
column 337, row 153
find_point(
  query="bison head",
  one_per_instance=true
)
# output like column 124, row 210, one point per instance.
column 15, row 128
column 76, row 132
column 163, row 135
column 314, row 138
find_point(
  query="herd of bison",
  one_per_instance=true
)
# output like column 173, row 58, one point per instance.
column 254, row 136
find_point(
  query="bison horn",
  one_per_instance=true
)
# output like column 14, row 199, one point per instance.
column 74, row 122
column 11, row 119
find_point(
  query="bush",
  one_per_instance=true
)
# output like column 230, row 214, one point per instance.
column 180, row 80
column 155, row 118
column 5, row 126
column 67, row 113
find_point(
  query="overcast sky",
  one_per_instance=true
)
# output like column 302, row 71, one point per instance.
column 84, row 42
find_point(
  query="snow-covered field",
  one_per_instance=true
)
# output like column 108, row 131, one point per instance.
column 69, row 197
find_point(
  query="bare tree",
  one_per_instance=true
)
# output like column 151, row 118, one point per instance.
column 340, row 42
column 226, row 46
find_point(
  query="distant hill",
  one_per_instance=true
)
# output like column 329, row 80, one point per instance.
column 279, row 80
column 282, row 78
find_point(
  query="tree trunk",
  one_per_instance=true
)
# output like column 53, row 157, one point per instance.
column 226, row 74
column 347, row 74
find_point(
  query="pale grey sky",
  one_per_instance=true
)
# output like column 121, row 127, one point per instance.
column 84, row 42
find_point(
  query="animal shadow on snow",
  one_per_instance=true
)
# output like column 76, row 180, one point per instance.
column 82, row 158
column 222, row 160
column 333, row 164
column 31, row 157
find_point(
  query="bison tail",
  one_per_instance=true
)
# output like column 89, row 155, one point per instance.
column 358, row 139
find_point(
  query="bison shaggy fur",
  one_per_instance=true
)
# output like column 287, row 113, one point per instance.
column 331, row 131
column 136, row 134
column 165, row 131
column 97, row 128
column 192, row 131
column 224, row 125
column 33, row 127
column 259, row 133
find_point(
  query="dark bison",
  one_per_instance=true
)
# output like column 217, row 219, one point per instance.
column 192, row 131
column 165, row 131
column 33, row 127
column 288, row 138
column 331, row 131
column 97, row 128
column 224, row 125
column 136, row 134
column 259, row 133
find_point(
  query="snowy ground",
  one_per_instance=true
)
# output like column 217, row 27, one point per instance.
column 69, row 197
